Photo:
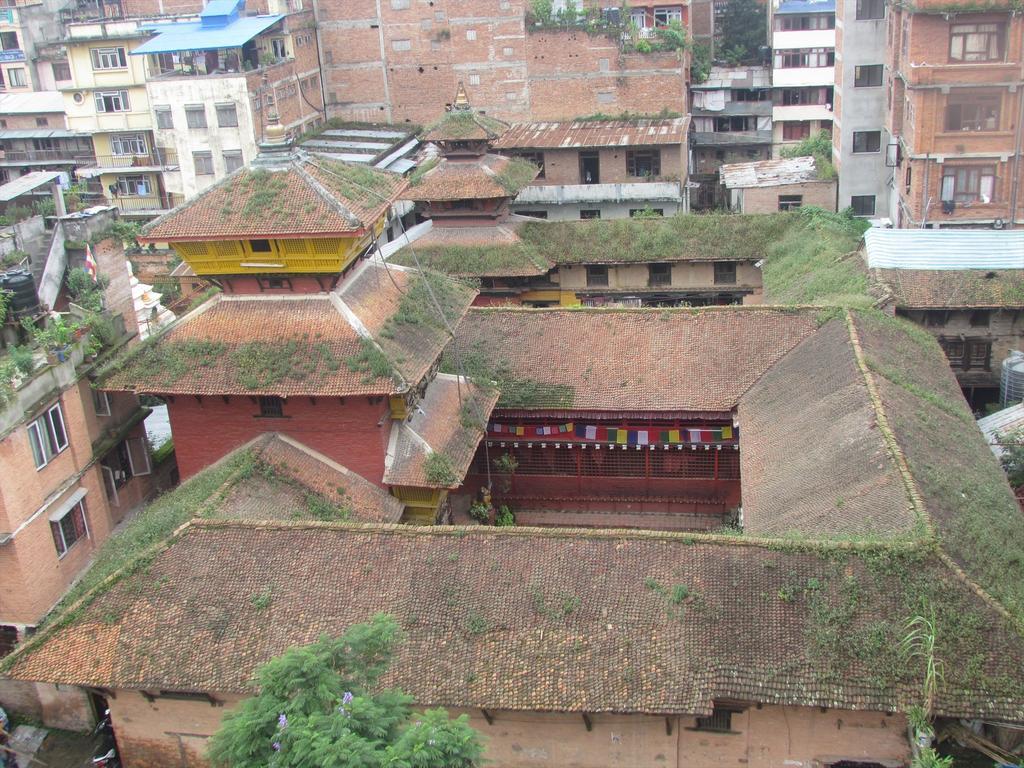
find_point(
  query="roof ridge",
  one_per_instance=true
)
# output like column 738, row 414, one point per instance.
column 785, row 308
column 191, row 202
column 570, row 533
column 888, row 437
column 324, row 194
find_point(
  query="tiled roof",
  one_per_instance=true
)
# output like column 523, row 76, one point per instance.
column 253, row 346
column 463, row 179
column 297, row 470
column 310, row 345
column 948, row 288
column 628, row 359
column 594, row 133
column 823, row 467
column 447, row 421
column 468, row 124
column 474, row 252
column 571, row 620
column 304, row 197
column 769, row 173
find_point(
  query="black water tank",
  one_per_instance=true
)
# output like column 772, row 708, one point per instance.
column 24, row 301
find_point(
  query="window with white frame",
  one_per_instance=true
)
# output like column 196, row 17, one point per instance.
column 135, row 185
column 665, row 16
column 278, row 46
column 112, row 101
column 69, row 528
column 968, row 184
column 100, row 403
column 16, row 78
column 128, row 459
column 47, row 436
column 128, row 144
column 108, row 58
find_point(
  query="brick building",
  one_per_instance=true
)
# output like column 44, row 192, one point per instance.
column 396, row 61
column 34, row 136
column 792, row 651
column 954, row 112
column 309, row 338
column 966, row 288
column 601, row 168
column 777, row 185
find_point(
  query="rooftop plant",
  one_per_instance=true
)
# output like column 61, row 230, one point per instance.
column 439, row 470
column 818, row 146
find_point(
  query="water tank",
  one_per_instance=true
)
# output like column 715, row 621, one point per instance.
column 24, row 301
column 1011, row 380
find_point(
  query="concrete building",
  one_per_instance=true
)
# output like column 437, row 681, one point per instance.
column 25, row 25
column 858, row 110
column 965, row 287
column 601, row 169
column 212, row 83
column 802, row 36
column 34, row 137
column 955, row 114
column 731, row 123
column 777, row 185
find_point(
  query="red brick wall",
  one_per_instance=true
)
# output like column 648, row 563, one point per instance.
column 766, row 199
column 354, row 434
column 562, row 166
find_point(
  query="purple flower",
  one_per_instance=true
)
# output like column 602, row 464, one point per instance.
column 277, row 746
column 282, row 720
column 347, row 697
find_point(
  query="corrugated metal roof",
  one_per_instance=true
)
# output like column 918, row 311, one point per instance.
column 41, row 133
column 1001, row 423
column 769, row 173
column 806, row 6
column 944, row 248
column 195, row 36
column 593, row 133
column 735, row 77
column 730, row 138
column 31, row 103
column 26, row 183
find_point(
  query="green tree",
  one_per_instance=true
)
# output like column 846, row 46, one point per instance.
column 318, row 707
column 818, row 146
column 744, row 31
column 1013, row 456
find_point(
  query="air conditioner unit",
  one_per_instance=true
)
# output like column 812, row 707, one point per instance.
column 79, row 97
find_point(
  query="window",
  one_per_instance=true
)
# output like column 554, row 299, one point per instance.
column 233, row 160
column 597, row 275
column 659, row 274
column 227, row 116
column 112, row 101
column 863, row 205
column 402, row 45
column 977, row 42
column 972, row 111
column 870, row 9
column 720, row 720
column 128, row 459
column 807, row 57
column 42, row 122
column 725, row 273
column 537, row 158
column 533, row 214
column 645, row 213
column 274, row 283
column 399, row 5
column 108, row 58
column 980, row 318
column 271, row 407
column 954, row 349
column 793, row 23
column 61, row 71
column 128, row 144
column 44, row 144
column 867, row 141
column 795, row 130
column 665, row 16
column 133, row 185
column 643, row 162
column 69, row 528
column 100, row 403
column 790, row 202
column 164, row 118
column 9, row 41
column 796, row 96
column 969, row 184
column 16, row 78
column 277, row 45
column 47, row 436
column 260, row 246
column 590, row 213
column 867, row 75
column 203, row 162
column 195, row 116
column 979, row 354
column 933, row 318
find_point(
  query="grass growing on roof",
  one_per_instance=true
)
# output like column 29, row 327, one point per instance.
column 164, row 361
column 465, row 124
column 262, row 364
column 358, row 184
column 476, row 260
column 516, row 175
column 515, row 392
column 815, row 262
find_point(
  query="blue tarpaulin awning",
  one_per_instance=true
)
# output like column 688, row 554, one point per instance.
column 196, row 36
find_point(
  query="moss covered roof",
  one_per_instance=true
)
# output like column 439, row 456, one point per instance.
column 464, row 124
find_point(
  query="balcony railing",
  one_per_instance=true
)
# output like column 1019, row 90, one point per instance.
column 156, row 158
column 141, row 203
column 45, row 156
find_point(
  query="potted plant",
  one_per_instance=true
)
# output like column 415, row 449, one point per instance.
column 56, row 338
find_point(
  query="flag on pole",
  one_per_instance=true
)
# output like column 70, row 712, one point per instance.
column 90, row 264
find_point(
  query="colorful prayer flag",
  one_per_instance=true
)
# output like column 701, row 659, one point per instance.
column 727, row 433
column 90, row 264
column 591, row 433
column 642, row 437
column 673, row 436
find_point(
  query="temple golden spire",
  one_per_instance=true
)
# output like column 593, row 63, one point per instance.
column 461, row 99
